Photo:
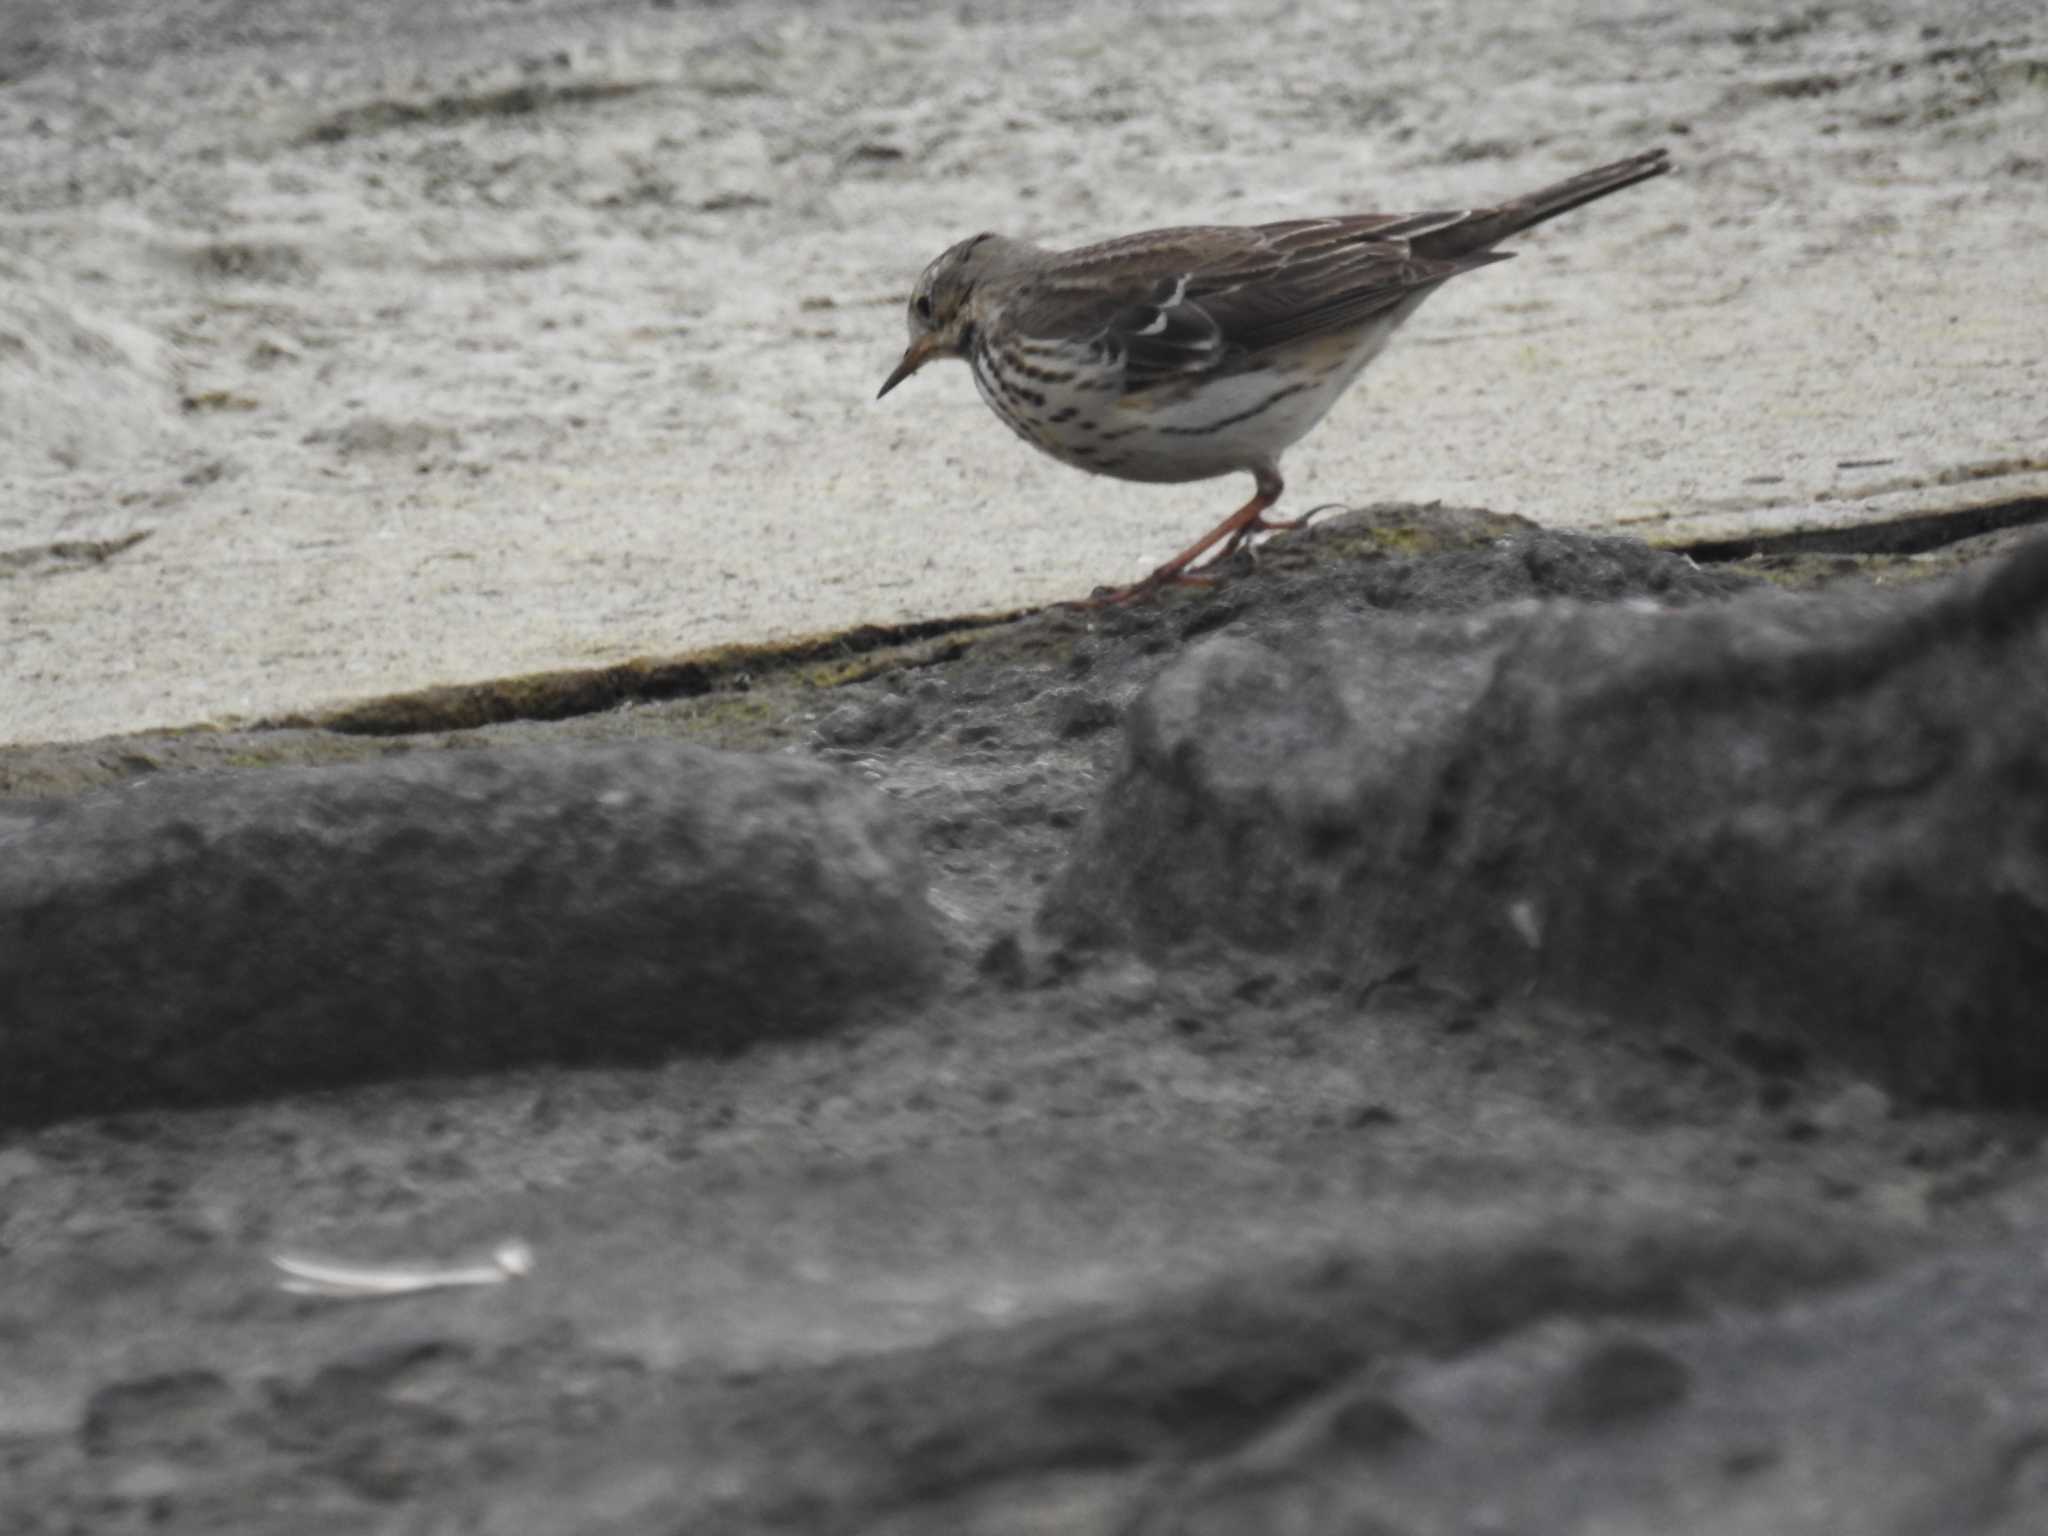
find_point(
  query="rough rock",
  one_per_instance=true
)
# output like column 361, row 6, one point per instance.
column 208, row 937
column 1824, row 819
column 1910, row 1405
column 1119, row 1418
column 1253, row 1239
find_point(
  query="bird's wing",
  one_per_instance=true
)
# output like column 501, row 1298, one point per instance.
column 1178, row 303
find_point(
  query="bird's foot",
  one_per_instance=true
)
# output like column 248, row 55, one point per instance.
column 1139, row 591
column 1289, row 524
column 1263, row 524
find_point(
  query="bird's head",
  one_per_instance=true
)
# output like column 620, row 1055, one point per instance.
column 941, row 320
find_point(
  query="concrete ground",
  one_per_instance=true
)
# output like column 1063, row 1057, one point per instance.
column 354, row 348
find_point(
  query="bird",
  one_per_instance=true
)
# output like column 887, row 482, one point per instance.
column 1189, row 353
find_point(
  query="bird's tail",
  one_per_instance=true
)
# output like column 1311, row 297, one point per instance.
column 1496, row 224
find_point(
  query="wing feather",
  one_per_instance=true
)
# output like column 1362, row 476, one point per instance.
column 1175, row 304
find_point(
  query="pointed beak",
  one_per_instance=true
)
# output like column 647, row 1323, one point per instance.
column 915, row 356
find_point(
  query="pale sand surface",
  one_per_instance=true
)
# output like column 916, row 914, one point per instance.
column 478, row 383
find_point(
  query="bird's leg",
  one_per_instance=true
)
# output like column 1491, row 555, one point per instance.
column 1231, row 531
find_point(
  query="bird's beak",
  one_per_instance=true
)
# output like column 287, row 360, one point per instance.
column 915, row 356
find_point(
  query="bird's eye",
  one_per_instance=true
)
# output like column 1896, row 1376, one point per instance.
column 924, row 306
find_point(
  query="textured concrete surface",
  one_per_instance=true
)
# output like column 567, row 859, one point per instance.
column 427, row 344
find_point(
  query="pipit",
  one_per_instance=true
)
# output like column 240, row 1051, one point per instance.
column 1183, row 354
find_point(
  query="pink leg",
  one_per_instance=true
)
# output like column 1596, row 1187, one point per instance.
column 1231, row 532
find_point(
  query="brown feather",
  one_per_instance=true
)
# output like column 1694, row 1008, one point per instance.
column 1263, row 286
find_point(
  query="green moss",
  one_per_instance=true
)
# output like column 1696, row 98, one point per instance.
column 813, row 661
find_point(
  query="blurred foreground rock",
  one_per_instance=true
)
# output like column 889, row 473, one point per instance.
column 1824, row 818
column 212, row 937
column 1457, row 1151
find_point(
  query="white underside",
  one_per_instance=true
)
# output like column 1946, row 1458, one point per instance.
column 1172, row 434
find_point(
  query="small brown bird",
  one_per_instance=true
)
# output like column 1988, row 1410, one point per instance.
column 1183, row 354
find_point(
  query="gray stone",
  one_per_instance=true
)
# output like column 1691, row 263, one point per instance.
column 885, row 720
column 1824, row 819
column 1913, row 1404
column 1230, row 1407
column 1077, row 712
column 210, row 937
